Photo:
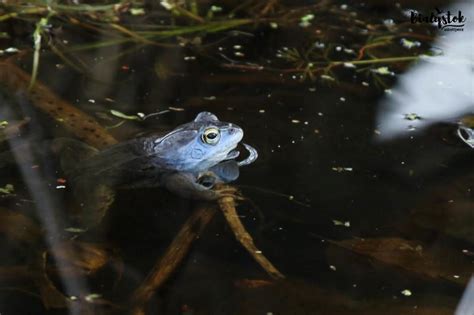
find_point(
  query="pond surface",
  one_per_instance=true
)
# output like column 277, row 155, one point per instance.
column 362, row 194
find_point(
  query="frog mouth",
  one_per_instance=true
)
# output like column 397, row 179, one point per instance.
column 233, row 154
column 253, row 155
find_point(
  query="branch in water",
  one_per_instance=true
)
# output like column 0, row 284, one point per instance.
column 227, row 205
column 173, row 256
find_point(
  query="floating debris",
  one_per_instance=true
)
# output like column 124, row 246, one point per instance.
column 383, row 71
column 8, row 189
column 410, row 256
column 137, row 11
column 215, row 9
column 389, row 22
column 75, row 230
column 412, row 116
column 327, row 77
column 406, row 292
column 176, row 109
column 341, row 169
column 91, row 297
column 408, row 44
column 9, row 50
column 305, row 20
column 319, row 45
column 341, row 223
column 168, row 5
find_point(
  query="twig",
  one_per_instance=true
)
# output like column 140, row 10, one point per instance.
column 133, row 35
column 173, row 256
column 227, row 205
column 13, row 15
column 268, row 7
column 71, row 118
column 189, row 14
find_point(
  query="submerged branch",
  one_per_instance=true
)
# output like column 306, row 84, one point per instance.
column 173, row 256
column 227, row 205
column 80, row 124
column 181, row 245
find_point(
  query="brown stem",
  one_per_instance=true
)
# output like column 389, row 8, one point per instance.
column 74, row 120
column 173, row 256
column 227, row 205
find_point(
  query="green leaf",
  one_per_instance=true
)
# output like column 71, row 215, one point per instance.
column 118, row 114
column 7, row 190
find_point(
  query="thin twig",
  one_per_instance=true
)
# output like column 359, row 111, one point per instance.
column 173, row 256
column 82, row 125
column 189, row 14
column 227, row 205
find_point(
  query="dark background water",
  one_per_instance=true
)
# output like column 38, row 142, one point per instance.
column 304, row 131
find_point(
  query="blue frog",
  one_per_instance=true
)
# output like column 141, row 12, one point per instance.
column 188, row 161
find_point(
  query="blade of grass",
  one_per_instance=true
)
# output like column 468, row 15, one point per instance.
column 37, row 36
column 86, row 7
column 81, row 68
column 182, row 11
column 135, row 36
column 16, row 14
column 211, row 27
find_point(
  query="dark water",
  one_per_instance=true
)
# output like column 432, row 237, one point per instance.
column 327, row 181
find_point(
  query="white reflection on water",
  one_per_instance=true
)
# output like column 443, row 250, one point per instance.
column 438, row 88
column 466, row 306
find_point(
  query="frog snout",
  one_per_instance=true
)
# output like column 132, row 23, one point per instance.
column 235, row 131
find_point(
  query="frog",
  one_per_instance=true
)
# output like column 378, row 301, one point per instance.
column 189, row 161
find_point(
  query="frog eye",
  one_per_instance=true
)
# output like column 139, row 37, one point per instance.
column 211, row 135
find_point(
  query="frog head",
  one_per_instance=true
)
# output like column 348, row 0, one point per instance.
column 198, row 145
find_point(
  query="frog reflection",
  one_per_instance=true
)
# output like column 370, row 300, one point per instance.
column 188, row 161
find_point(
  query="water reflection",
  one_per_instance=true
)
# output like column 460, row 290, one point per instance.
column 438, row 89
column 466, row 306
